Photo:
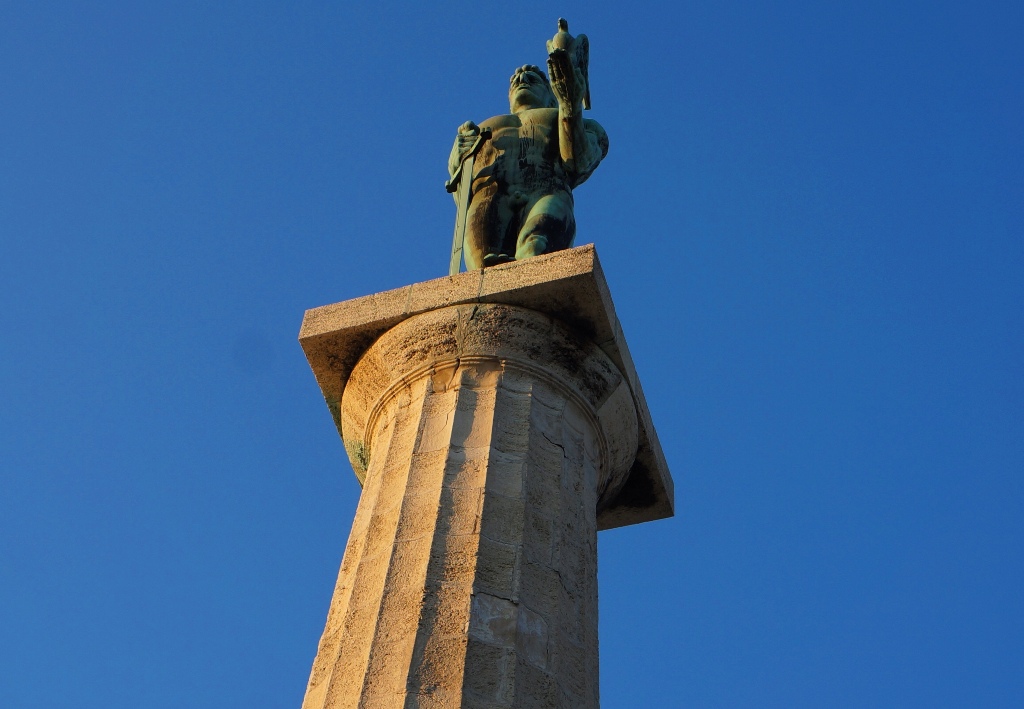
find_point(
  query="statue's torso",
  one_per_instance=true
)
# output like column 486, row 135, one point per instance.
column 523, row 154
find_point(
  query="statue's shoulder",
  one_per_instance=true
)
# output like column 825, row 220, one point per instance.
column 592, row 126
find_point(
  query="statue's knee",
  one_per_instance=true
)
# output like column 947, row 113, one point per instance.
column 531, row 245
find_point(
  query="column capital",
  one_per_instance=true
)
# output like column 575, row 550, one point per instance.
column 567, row 286
column 498, row 339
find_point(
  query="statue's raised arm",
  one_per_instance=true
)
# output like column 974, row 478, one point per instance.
column 582, row 143
column 517, row 171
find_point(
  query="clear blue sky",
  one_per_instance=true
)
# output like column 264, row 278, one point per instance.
column 812, row 222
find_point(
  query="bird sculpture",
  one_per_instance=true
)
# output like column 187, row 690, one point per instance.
column 578, row 51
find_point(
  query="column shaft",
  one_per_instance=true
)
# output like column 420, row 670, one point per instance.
column 470, row 575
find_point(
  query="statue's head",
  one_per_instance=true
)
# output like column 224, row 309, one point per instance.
column 529, row 88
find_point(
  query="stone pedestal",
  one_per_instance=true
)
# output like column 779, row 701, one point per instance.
column 492, row 432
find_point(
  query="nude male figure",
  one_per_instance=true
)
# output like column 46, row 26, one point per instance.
column 521, row 202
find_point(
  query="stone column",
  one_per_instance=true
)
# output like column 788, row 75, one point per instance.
column 496, row 423
column 489, row 434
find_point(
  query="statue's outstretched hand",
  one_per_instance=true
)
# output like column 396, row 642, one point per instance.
column 467, row 134
column 567, row 82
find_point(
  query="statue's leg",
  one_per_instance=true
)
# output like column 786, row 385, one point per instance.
column 489, row 216
column 549, row 226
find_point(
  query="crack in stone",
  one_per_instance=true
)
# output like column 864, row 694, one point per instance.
column 564, row 455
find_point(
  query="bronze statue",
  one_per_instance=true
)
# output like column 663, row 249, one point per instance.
column 522, row 167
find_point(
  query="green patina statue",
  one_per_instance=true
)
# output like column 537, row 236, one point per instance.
column 513, row 175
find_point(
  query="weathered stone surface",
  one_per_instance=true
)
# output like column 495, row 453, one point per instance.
column 488, row 434
column 567, row 285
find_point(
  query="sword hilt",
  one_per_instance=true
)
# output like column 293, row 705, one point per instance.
column 483, row 136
